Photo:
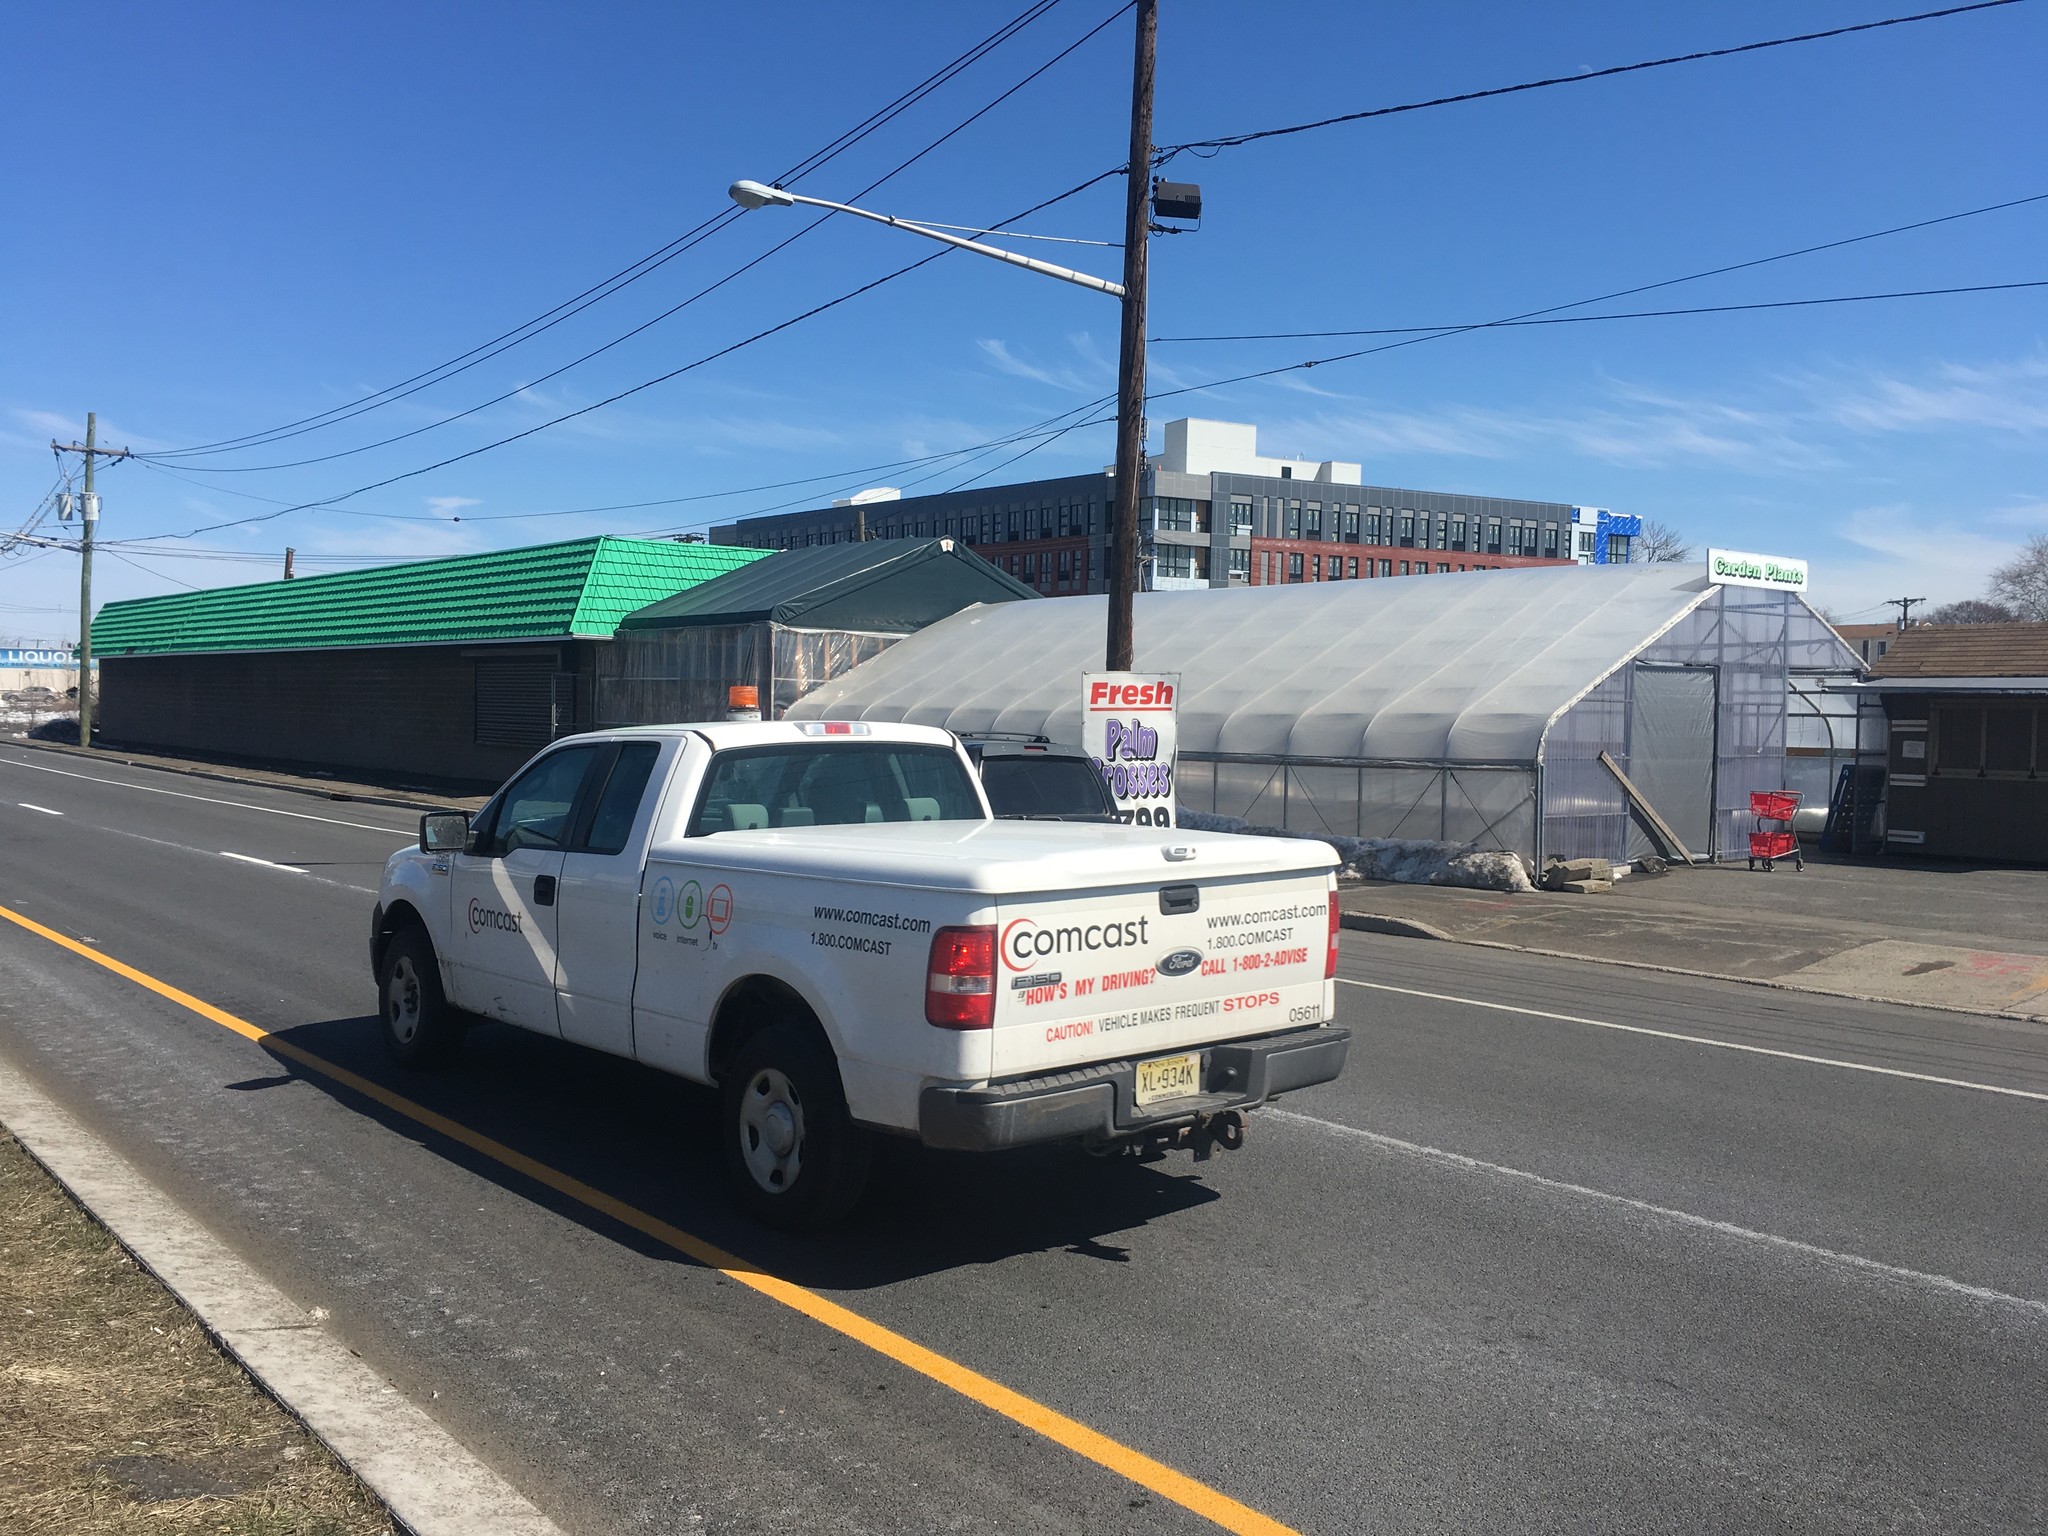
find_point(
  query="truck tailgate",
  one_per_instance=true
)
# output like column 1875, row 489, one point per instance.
column 1141, row 971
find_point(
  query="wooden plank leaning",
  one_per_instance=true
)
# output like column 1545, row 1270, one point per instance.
column 1658, row 824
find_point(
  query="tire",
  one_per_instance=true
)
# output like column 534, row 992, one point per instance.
column 794, row 1157
column 420, row 1029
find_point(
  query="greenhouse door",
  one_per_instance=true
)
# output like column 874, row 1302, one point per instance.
column 1671, row 753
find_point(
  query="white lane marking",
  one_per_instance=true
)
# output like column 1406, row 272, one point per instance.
column 240, row 805
column 1723, row 1045
column 43, row 808
column 158, row 842
column 245, row 858
column 1856, row 1261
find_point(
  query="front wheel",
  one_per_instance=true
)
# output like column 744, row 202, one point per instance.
column 420, row 1028
column 794, row 1156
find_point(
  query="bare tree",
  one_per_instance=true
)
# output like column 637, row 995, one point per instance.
column 1971, row 610
column 1661, row 543
column 2021, row 584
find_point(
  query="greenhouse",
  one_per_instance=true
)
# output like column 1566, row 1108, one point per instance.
column 1471, row 708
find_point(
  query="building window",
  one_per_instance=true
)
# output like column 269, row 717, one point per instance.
column 1441, row 530
column 1550, row 540
column 1315, row 567
column 1617, row 549
column 1443, row 568
column 1294, row 567
column 1458, row 533
column 1407, row 533
column 1312, row 521
column 1586, row 543
column 1294, row 520
column 1351, row 525
column 1493, row 536
column 1353, row 563
column 1404, row 567
column 1180, row 560
column 1240, row 516
column 1240, row 565
column 1174, row 514
column 1272, row 568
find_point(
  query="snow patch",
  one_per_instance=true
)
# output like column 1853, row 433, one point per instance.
column 1407, row 861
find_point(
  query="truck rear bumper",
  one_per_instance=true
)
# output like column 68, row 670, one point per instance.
column 1097, row 1104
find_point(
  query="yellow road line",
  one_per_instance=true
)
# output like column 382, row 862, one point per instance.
column 1155, row 1476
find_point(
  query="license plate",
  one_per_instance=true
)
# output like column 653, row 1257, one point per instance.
column 1170, row 1077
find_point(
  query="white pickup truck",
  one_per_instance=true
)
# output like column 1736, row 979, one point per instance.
column 823, row 920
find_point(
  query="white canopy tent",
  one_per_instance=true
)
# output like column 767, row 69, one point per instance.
column 1411, row 707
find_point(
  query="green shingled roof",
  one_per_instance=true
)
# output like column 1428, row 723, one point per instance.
column 546, row 591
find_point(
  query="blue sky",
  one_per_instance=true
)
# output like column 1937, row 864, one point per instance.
column 225, row 217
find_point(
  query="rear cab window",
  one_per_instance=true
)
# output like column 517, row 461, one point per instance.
column 833, row 784
column 1044, row 785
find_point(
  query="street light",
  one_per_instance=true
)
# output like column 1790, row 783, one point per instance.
column 1177, row 201
column 752, row 194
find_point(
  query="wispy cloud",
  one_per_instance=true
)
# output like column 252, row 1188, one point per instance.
column 447, row 505
column 1999, row 398
column 998, row 352
column 1941, row 559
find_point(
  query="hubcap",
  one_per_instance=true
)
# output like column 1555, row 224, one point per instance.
column 772, row 1130
column 402, row 1001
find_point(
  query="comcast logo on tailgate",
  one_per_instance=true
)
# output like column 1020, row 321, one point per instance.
column 1025, row 943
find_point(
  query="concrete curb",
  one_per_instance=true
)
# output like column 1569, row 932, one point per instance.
column 310, row 791
column 1399, row 927
column 431, row 1484
column 1410, row 928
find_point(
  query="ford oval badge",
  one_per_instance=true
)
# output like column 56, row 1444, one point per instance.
column 1180, row 962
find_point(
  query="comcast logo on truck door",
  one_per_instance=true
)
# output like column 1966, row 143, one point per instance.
column 1026, row 941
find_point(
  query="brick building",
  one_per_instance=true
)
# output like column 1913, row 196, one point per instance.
column 1216, row 513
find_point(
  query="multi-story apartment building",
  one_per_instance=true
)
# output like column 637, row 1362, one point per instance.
column 1215, row 514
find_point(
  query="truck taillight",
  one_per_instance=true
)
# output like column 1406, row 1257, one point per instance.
column 1330, row 964
column 960, row 981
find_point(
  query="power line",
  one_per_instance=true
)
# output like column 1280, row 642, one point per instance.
column 737, row 272
column 631, row 274
column 980, row 449
column 1167, row 152
column 1736, row 266
column 330, row 502
column 1639, row 314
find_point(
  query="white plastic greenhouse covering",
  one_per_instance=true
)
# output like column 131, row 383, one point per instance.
column 1405, row 707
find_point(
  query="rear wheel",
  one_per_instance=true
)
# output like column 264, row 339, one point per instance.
column 794, row 1156
column 420, row 1029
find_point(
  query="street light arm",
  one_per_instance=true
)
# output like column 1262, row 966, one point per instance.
column 749, row 194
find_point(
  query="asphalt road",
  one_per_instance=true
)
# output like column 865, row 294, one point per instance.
column 1517, row 1271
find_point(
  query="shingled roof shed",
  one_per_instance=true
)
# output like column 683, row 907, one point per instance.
column 454, row 668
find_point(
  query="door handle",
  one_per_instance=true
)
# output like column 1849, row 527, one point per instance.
column 543, row 890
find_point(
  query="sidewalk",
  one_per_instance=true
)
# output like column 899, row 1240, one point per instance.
column 1940, row 934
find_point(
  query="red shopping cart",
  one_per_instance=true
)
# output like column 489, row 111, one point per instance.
column 1769, row 844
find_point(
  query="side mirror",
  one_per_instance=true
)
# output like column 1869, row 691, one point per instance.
column 444, row 832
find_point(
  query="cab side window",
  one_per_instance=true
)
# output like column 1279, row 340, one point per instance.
column 534, row 809
column 618, row 804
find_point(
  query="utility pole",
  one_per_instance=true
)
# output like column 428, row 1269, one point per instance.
column 1905, row 607
column 89, row 517
column 1130, row 375
column 288, row 553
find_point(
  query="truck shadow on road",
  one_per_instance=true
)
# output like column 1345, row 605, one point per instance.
column 650, row 1140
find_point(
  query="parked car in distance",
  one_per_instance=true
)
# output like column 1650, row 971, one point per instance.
column 1031, row 778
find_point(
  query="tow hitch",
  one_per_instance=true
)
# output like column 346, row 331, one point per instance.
column 1202, row 1136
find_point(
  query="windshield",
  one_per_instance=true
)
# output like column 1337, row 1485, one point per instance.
column 834, row 784
column 1040, row 785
